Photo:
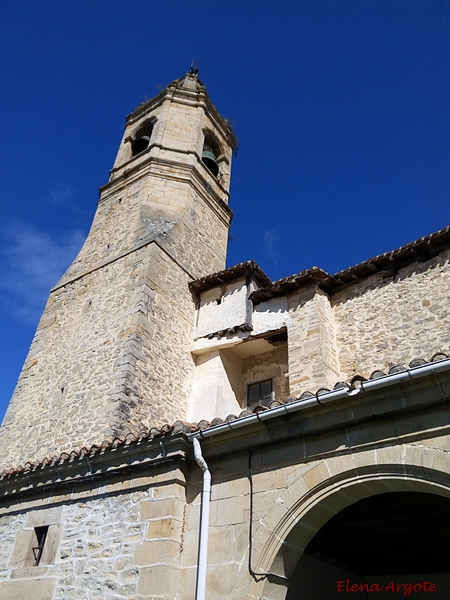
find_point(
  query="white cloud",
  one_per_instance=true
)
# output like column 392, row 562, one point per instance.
column 32, row 262
column 271, row 244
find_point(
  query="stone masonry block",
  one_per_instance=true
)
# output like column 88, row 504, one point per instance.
column 425, row 457
column 190, row 548
column 316, row 475
column 219, row 579
column 192, row 516
column 221, row 545
column 276, row 479
column 164, row 528
column 159, row 582
column 232, row 510
column 294, row 472
column 157, row 552
column 188, row 578
column 46, row 516
column 293, row 494
column 170, row 490
column 364, row 459
column 37, row 589
column 230, row 488
column 339, row 464
column 441, row 461
column 277, row 512
column 262, row 501
column 155, row 509
column 241, row 541
column 438, row 443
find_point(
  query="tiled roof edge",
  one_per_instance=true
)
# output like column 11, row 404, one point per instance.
column 249, row 267
column 187, row 428
column 389, row 263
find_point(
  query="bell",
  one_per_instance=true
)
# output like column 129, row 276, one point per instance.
column 209, row 160
column 140, row 144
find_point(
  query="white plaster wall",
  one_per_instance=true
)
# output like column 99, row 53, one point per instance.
column 217, row 386
column 231, row 311
column 270, row 315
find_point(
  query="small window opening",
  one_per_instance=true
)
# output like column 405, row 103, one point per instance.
column 142, row 139
column 41, row 535
column 259, row 393
column 278, row 337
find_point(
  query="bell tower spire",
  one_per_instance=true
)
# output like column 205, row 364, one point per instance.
column 112, row 351
column 171, row 173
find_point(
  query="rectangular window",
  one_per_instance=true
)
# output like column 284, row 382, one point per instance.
column 259, row 393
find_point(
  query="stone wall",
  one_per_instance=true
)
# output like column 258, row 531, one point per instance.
column 373, row 324
column 134, row 534
column 313, row 356
column 131, row 538
column 112, row 351
column 217, row 386
column 268, row 365
column 381, row 322
column 98, row 364
column 149, row 204
column 117, row 539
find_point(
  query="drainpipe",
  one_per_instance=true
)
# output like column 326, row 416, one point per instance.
column 433, row 368
column 204, row 522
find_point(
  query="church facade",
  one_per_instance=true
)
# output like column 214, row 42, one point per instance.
column 181, row 430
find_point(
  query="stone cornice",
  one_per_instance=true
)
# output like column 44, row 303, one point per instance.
column 196, row 175
column 399, row 412
column 390, row 414
column 154, row 238
column 387, row 264
column 106, row 462
column 192, row 97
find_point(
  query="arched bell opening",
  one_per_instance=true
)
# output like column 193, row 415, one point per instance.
column 141, row 139
column 388, row 542
column 210, row 154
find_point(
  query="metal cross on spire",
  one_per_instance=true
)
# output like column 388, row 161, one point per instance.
column 194, row 66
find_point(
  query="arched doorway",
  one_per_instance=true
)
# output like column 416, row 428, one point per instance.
column 284, row 541
column 395, row 542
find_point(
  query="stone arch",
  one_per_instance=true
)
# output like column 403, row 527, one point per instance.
column 213, row 141
column 328, row 487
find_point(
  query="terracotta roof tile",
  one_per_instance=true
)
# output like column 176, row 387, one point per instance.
column 389, row 263
column 245, row 268
column 187, row 428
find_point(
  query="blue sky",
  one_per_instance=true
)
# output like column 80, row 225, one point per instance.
column 342, row 110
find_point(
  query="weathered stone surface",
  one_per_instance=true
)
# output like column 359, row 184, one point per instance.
column 37, row 589
column 385, row 321
column 101, row 545
column 112, row 354
column 97, row 367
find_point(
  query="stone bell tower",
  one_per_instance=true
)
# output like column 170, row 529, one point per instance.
column 112, row 350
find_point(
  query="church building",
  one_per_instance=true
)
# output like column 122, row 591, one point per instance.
column 181, row 430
